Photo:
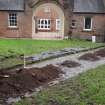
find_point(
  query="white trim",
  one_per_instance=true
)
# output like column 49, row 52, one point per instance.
column 87, row 29
column 91, row 24
column 45, row 26
column 48, row 34
column 12, row 26
column 58, row 24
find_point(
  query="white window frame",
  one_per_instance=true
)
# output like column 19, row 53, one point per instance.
column 90, row 26
column 10, row 18
column 45, row 26
column 58, row 24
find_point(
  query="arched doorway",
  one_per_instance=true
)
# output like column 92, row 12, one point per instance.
column 48, row 22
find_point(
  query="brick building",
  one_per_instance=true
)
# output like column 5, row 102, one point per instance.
column 52, row 19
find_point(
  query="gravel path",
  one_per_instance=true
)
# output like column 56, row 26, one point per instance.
column 71, row 72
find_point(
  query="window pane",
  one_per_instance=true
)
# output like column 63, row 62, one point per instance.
column 42, row 21
column 38, row 21
column 12, row 19
column 45, row 21
column 48, row 26
column 49, row 21
column 41, row 26
column 45, row 26
column 88, row 23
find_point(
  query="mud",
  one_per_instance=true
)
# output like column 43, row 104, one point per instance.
column 18, row 82
column 89, row 57
column 70, row 64
column 100, row 53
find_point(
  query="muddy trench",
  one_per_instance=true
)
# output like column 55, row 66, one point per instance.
column 16, row 82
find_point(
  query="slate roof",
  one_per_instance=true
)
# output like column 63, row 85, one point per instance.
column 79, row 6
column 17, row 5
column 89, row 6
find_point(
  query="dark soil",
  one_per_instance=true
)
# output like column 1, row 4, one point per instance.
column 17, row 83
column 89, row 57
column 100, row 53
column 70, row 64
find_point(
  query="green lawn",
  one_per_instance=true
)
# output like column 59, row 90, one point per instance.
column 15, row 47
column 85, row 89
column 28, row 46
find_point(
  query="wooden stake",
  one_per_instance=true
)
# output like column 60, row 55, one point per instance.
column 24, row 62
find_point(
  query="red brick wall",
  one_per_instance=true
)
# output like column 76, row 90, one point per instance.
column 98, row 24
column 26, row 22
column 24, row 28
column 53, row 15
column 54, row 12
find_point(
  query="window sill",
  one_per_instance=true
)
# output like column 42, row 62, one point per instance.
column 87, row 30
column 12, row 27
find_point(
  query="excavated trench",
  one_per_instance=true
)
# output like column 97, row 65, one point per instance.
column 69, row 64
column 89, row 57
column 95, row 56
column 17, row 82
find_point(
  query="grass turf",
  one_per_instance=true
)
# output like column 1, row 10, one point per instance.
column 15, row 47
column 28, row 46
column 86, row 89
